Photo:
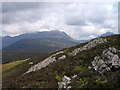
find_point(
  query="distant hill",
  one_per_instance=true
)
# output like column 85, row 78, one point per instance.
column 83, row 40
column 107, row 33
column 34, row 44
column 7, row 40
column 42, row 45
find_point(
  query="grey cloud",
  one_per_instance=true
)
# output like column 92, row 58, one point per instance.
column 8, row 7
column 76, row 21
column 23, row 11
column 68, row 16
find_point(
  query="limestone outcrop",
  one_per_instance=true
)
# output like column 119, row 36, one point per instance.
column 45, row 62
column 109, row 61
column 66, row 81
column 89, row 45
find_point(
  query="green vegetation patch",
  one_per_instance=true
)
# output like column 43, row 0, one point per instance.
column 82, row 82
column 80, row 68
column 99, row 81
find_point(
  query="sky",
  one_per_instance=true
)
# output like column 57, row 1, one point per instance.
column 80, row 20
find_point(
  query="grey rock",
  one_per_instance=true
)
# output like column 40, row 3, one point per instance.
column 43, row 63
column 89, row 67
column 115, row 61
column 68, row 88
column 62, row 57
column 30, row 63
column 65, row 81
column 74, row 77
column 89, row 45
column 27, row 59
column 111, row 61
column 113, row 50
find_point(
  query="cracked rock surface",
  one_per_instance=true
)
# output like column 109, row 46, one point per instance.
column 109, row 61
column 44, row 63
column 89, row 45
column 66, row 81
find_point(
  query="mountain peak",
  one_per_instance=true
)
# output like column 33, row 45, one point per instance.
column 107, row 33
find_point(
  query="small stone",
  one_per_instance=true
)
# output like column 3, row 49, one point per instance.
column 89, row 67
column 30, row 63
column 62, row 57
column 74, row 77
column 68, row 87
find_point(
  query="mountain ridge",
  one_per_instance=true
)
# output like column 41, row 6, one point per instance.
column 7, row 40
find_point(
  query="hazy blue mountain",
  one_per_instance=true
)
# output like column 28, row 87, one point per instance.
column 107, row 33
column 7, row 40
column 83, row 40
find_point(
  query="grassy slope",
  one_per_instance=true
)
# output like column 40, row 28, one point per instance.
column 15, row 56
column 46, row 77
column 10, row 65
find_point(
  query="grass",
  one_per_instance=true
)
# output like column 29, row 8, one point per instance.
column 69, row 66
column 59, row 78
column 80, row 68
column 82, row 82
column 11, row 64
column 99, row 81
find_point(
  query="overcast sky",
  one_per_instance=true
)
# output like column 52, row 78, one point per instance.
column 80, row 20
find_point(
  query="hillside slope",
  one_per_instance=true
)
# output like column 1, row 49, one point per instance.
column 42, row 45
column 75, row 63
column 7, row 40
column 34, row 44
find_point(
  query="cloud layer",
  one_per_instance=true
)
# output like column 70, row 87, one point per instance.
column 80, row 20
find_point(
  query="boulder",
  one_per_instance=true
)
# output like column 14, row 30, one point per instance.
column 111, row 61
column 68, row 88
column 30, row 63
column 65, row 81
column 62, row 57
column 44, row 63
column 89, row 45
column 74, row 77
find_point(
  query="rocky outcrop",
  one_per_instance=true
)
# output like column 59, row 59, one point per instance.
column 62, row 57
column 109, row 61
column 66, row 81
column 30, row 63
column 89, row 45
column 44, row 63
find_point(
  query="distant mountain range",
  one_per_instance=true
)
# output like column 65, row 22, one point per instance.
column 35, row 44
column 108, row 33
column 105, row 34
column 7, row 40
column 38, row 42
column 54, row 38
